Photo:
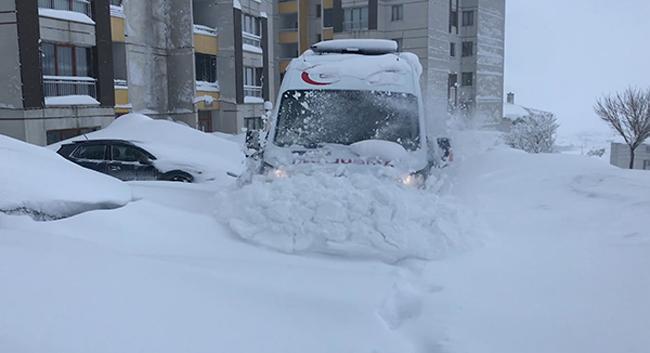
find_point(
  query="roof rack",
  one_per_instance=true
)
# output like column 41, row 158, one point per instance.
column 356, row 46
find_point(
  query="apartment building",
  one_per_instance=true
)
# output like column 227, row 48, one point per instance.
column 203, row 62
column 56, row 68
column 460, row 43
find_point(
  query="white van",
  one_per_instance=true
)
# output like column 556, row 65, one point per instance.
column 349, row 106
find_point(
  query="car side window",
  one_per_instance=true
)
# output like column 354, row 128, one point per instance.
column 126, row 154
column 92, row 152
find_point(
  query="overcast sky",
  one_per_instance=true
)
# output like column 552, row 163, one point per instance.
column 562, row 54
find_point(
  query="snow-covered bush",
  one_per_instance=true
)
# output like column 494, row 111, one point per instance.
column 534, row 134
column 596, row 152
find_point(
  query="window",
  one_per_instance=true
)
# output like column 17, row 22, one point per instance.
column 116, row 2
column 468, row 18
column 468, row 49
column 397, row 12
column 355, row 18
column 205, row 120
column 125, row 153
column 646, row 164
column 253, row 81
column 206, row 67
column 251, row 24
column 93, row 152
column 54, row 136
column 327, row 18
column 119, row 61
column 254, row 123
column 468, row 79
column 452, row 49
column 64, row 60
column 82, row 6
column 49, row 59
column 318, row 11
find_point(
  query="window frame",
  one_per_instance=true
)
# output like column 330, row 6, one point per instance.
column 467, row 49
column 468, row 18
column 204, row 61
column 464, row 81
column 397, row 13
column 90, row 70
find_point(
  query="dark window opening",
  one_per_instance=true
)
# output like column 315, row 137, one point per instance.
column 468, row 49
column 468, row 18
column 452, row 49
column 206, row 67
column 397, row 12
column 468, row 79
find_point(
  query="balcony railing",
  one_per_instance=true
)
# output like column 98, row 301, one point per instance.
column 252, row 39
column 82, row 6
column 56, row 86
column 252, row 91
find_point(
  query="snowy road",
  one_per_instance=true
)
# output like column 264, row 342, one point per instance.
column 556, row 259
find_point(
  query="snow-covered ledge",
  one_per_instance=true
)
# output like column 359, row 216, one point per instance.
column 61, row 101
column 65, row 15
column 205, row 30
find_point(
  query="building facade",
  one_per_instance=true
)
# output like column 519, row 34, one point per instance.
column 203, row 62
column 56, row 67
column 460, row 43
column 620, row 156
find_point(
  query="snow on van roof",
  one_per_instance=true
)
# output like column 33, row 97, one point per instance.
column 358, row 46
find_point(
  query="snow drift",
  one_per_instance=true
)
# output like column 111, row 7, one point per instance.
column 175, row 146
column 44, row 185
column 359, row 216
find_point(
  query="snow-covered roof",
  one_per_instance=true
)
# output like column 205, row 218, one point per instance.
column 514, row 111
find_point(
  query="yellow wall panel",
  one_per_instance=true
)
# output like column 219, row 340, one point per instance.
column 206, row 44
column 288, row 7
column 117, row 29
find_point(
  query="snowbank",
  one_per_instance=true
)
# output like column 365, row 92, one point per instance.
column 42, row 184
column 360, row 216
column 147, row 278
column 175, row 146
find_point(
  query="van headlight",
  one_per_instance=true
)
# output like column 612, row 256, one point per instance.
column 275, row 172
column 412, row 180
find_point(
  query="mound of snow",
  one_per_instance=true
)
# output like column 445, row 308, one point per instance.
column 175, row 146
column 359, row 216
column 39, row 182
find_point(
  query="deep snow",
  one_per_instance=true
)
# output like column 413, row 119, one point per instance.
column 40, row 183
column 547, row 254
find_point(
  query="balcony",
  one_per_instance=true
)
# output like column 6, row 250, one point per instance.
column 252, row 39
column 287, row 6
column 82, row 6
column 288, row 36
column 253, row 91
column 57, row 86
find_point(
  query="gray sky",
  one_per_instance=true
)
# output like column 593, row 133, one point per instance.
column 562, row 54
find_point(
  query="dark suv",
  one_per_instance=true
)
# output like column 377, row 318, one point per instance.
column 121, row 159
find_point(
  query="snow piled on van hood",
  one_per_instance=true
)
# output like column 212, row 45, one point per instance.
column 360, row 216
column 40, row 183
column 175, row 145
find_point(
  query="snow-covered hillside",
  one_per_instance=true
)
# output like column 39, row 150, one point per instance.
column 541, row 253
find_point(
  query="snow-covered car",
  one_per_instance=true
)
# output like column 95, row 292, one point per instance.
column 160, row 149
column 345, row 106
column 120, row 159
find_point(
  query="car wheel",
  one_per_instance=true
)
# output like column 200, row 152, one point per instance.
column 177, row 175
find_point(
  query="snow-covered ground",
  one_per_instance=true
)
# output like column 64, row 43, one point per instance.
column 532, row 253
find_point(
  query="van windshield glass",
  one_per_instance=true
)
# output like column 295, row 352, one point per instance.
column 313, row 117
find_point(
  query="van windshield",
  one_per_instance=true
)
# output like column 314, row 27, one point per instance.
column 313, row 117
